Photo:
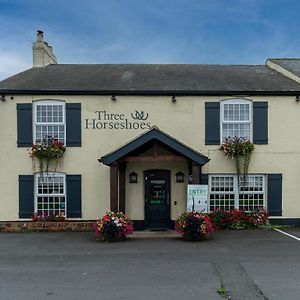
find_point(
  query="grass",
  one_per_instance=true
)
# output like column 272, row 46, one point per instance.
column 223, row 292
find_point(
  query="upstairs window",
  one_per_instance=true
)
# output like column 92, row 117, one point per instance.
column 236, row 119
column 49, row 121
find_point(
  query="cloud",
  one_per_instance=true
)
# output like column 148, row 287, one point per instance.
column 12, row 63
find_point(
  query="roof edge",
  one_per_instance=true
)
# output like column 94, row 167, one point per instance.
column 271, row 63
column 150, row 92
column 154, row 133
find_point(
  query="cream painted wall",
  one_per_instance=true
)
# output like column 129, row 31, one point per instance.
column 183, row 120
column 134, row 204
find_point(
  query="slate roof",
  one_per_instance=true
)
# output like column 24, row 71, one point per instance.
column 150, row 79
column 290, row 64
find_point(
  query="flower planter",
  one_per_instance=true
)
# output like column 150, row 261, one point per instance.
column 194, row 226
column 193, row 238
column 113, row 227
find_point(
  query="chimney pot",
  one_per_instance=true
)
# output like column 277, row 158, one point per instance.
column 40, row 36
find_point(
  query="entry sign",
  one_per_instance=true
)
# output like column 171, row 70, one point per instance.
column 197, row 197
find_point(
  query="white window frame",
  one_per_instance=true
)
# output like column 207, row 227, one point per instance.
column 233, row 192
column 36, row 123
column 222, row 121
column 236, row 190
column 36, row 194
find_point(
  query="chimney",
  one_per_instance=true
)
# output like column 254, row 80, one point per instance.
column 42, row 52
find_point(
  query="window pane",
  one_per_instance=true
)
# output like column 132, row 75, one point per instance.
column 236, row 130
column 50, row 197
column 251, row 192
column 221, row 194
column 47, row 113
column 237, row 112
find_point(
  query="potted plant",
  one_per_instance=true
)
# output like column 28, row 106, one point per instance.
column 113, row 226
column 48, row 150
column 45, row 217
column 240, row 219
column 194, row 226
column 240, row 149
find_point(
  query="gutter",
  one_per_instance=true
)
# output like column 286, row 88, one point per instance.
column 149, row 93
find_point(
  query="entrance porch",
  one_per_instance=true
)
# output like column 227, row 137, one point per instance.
column 144, row 180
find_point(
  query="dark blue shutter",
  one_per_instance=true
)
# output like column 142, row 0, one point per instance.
column 73, row 124
column 204, row 179
column 26, row 196
column 260, row 123
column 73, row 196
column 24, row 124
column 275, row 194
column 212, row 123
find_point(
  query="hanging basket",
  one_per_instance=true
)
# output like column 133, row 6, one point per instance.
column 241, row 150
column 47, row 152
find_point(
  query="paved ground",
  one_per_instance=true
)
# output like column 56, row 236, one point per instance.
column 249, row 264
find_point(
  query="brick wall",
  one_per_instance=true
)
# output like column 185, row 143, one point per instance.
column 46, row 226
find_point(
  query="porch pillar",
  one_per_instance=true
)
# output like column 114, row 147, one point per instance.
column 114, row 187
column 196, row 173
column 122, row 184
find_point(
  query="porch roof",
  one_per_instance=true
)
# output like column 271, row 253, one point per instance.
column 154, row 134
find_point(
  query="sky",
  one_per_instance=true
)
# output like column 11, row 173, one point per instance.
column 149, row 31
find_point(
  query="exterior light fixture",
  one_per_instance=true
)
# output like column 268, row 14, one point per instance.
column 297, row 98
column 173, row 99
column 133, row 177
column 179, row 177
column 2, row 98
column 113, row 98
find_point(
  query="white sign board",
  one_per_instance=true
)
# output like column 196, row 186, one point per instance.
column 197, row 197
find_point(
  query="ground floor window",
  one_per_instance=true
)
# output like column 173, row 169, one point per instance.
column 225, row 193
column 50, row 193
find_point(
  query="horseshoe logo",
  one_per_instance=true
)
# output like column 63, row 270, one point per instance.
column 139, row 115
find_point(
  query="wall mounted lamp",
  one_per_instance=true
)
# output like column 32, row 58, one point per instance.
column 173, row 99
column 297, row 98
column 2, row 98
column 179, row 177
column 133, row 177
column 113, row 98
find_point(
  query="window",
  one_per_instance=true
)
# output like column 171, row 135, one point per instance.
column 221, row 193
column 225, row 194
column 50, row 193
column 49, row 121
column 236, row 119
column 251, row 194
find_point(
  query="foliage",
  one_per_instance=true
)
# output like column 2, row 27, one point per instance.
column 223, row 292
column 241, row 150
column 194, row 226
column 45, row 217
column 240, row 219
column 113, row 226
column 46, row 151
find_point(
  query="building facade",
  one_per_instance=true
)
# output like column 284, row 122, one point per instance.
column 137, row 135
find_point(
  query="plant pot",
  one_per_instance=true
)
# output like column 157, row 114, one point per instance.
column 193, row 237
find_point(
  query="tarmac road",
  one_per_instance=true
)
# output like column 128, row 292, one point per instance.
column 249, row 264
